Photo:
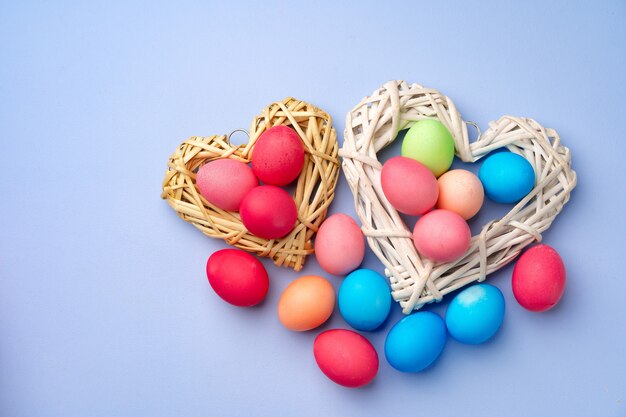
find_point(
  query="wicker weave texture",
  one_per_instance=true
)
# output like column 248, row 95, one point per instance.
column 415, row 281
column 314, row 190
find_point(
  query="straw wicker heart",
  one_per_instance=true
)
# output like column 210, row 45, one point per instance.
column 315, row 187
column 374, row 124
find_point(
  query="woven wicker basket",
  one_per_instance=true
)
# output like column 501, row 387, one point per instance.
column 374, row 124
column 315, row 187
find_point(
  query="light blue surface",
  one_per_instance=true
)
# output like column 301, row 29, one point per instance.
column 364, row 300
column 475, row 314
column 105, row 309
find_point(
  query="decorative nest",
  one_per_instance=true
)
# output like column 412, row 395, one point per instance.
column 374, row 124
column 314, row 191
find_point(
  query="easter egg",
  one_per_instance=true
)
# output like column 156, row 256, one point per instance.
column 415, row 342
column 225, row 182
column 345, row 357
column 306, row 303
column 364, row 299
column 507, row 177
column 460, row 191
column 339, row 245
column 475, row 314
column 268, row 212
column 442, row 235
column 409, row 186
column 278, row 156
column 539, row 278
column 429, row 142
column 237, row 277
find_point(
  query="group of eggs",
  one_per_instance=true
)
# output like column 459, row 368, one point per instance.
column 415, row 342
column 267, row 211
column 419, row 181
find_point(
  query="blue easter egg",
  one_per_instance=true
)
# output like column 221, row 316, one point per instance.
column 364, row 299
column 415, row 342
column 475, row 314
column 506, row 177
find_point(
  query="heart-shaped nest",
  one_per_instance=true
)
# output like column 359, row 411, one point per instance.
column 374, row 124
column 315, row 187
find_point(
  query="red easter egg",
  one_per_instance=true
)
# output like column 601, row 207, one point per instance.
column 539, row 278
column 409, row 186
column 278, row 156
column 346, row 357
column 224, row 182
column 237, row 277
column 268, row 212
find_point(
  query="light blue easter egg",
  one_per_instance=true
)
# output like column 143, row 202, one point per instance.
column 415, row 342
column 364, row 299
column 475, row 314
column 506, row 177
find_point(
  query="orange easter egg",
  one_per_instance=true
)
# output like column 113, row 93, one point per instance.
column 306, row 303
column 460, row 191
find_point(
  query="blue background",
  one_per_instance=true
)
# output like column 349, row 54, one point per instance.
column 104, row 305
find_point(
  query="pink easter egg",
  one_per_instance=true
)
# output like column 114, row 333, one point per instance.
column 225, row 182
column 409, row 186
column 268, row 212
column 339, row 245
column 346, row 357
column 442, row 236
column 237, row 277
column 539, row 278
column 278, row 156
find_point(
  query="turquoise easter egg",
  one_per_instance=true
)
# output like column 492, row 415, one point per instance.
column 507, row 177
column 364, row 299
column 475, row 314
column 415, row 342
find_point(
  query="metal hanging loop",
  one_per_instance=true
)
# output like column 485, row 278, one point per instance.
column 235, row 131
column 469, row 122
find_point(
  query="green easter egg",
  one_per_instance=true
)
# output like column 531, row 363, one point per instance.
column 429, row 142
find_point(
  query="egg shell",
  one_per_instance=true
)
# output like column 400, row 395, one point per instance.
column 507, row 177
column 415, row 342
column 539, row 278
column 339, row 245
column 475, row 314
column 225, row 182
column 409, row 186
column 278, row 156
column 237, row 277
column 442, row 236
column 346, row 357
column 268, row 212
column 429, row 142
column 364, row 299
column 306, row 303
column 460, row 191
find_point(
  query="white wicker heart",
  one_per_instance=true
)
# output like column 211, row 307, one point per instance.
column 374, row 124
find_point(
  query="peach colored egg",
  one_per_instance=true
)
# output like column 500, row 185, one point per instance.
column 339, row 245
column 306, row 303
column 460, row 191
